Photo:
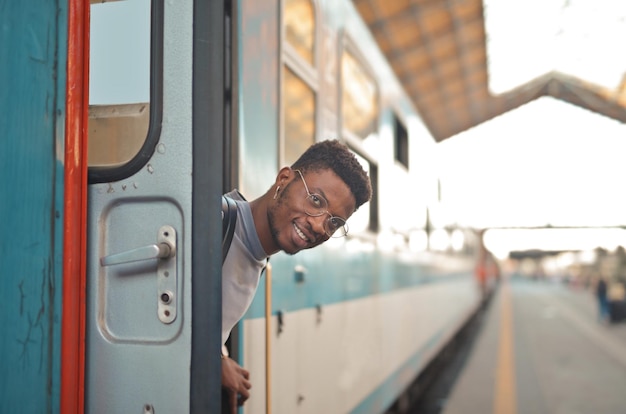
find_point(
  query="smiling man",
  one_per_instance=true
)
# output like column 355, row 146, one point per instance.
column 308, row 203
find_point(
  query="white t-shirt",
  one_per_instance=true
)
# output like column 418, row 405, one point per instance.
column 242, row 267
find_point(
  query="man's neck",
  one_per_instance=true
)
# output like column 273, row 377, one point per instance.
column 261, row 224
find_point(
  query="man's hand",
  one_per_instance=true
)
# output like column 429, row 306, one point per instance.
column 235, row 380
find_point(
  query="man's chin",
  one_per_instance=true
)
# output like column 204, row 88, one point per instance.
column 294, row 249
column 288, row 248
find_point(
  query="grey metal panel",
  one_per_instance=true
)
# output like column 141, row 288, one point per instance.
column 134, row 362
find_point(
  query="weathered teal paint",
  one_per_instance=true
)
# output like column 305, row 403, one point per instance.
column 33, row 35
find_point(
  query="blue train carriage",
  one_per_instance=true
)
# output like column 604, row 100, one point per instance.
column 347, row 326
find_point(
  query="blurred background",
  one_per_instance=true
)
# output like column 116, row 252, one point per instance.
column 547, row 175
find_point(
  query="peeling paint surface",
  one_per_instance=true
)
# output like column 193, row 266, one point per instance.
column 32, row 73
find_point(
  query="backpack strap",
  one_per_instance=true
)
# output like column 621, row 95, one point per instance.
column 229, row 219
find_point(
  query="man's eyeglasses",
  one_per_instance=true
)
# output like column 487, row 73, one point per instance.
column 315, row 205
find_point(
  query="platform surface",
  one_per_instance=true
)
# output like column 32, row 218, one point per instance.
column 543, row 350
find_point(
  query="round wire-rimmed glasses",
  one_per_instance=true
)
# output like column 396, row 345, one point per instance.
column 316, row 205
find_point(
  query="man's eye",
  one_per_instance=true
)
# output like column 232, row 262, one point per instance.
column 316, row 201
column 334, row 223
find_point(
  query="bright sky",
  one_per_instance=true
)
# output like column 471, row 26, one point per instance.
column 527, row 38
column 120, row 58
column 547, row 162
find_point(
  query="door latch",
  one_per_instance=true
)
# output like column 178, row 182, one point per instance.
column 167, row 279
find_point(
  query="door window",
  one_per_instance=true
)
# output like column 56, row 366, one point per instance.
column 120, row 107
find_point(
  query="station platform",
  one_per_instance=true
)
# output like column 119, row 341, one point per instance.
column 542, row 349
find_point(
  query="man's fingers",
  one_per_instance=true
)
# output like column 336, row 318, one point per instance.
column 239, row 382
column 243, row 396
column 246, row 384
column 244, row 372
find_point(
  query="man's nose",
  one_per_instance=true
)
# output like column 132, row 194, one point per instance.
column 317, row 224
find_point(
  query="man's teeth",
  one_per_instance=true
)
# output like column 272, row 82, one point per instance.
column 302, row 236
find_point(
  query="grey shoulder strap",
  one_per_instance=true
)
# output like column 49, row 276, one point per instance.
column 229, row 219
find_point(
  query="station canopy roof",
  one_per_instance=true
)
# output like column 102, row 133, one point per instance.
column 455, row 57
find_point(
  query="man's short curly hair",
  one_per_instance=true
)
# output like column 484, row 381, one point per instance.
column 332, row 154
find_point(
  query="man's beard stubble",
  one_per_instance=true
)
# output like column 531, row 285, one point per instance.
column 271, row 217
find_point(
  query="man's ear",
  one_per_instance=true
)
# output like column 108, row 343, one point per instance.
column 283, row 176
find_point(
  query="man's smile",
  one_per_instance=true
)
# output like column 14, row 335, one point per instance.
column 300, row 233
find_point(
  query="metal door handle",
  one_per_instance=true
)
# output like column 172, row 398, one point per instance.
column 167, row 277
column 162, row 250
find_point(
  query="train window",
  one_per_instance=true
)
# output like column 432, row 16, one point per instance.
column 366, row 217
column 401, row 142
column 359, row 97
column 299, row 115
column 299, row 79
column 300, row 27
column 122, row 98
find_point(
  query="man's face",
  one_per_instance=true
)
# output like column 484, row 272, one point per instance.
column 292, row 228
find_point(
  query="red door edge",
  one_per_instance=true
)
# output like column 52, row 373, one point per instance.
column 75, row 210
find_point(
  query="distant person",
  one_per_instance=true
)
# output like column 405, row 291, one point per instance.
column 480, row 272
column 603, row 299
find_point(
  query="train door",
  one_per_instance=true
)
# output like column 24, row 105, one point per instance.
column 156, row 137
